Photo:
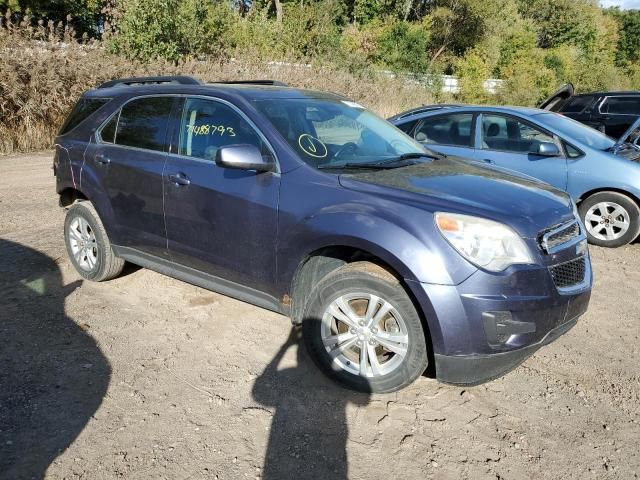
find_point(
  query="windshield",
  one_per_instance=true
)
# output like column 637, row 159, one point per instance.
column 577, row 131
column 327, row 133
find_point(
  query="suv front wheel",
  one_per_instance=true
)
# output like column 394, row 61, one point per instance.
column 88, row 245
column 362, row 329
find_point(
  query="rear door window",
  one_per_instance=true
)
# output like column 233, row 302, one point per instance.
column 143, row 123
column 81, row 111
column 452, row 129
column 508, row 134
column 208, row 125
column 627, row 105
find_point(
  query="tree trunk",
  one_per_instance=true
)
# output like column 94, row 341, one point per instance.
column 278, row 6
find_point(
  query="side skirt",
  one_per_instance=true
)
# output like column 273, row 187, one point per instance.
column 201, row 279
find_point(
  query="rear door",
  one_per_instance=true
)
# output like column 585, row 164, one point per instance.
column 450, row 133
column 220, row 221
column 616, row 114
column 511, row 142
column 128, row 160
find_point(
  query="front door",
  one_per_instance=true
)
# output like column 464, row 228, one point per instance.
column 220, row 221
column 128, row 160
column 512, row 143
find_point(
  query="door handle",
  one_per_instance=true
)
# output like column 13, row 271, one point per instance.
column 179, row 179
column 101, row 159
column 487, row 160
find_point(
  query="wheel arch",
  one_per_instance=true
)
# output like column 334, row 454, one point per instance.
column 622, row 191
column 68, row 196
column 322, row 261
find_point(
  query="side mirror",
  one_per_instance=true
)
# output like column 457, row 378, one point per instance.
column 547, row 149
column 243, row 157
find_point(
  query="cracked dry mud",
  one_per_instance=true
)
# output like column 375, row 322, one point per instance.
column 147, row 377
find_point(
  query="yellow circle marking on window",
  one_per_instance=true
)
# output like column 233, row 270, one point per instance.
column 312, row 146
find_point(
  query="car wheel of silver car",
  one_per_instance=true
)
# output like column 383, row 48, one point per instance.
column 88, row 245
column 362, row 329
column 610, row 218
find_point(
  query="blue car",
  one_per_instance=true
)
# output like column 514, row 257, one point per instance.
column 601, row 174
column 391, row 258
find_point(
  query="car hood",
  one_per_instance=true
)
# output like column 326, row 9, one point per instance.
column 455, row 185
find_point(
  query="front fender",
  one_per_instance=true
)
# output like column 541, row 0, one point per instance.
column 414, row 256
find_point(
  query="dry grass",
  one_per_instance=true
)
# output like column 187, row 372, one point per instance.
column 41, row 80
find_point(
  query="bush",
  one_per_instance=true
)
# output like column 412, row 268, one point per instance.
column 168, row 29
column 404, row 46
column 40, row 82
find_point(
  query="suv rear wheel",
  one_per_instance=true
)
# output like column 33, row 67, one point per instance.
column 88, row 245
column 362, row 329
column 611, row 219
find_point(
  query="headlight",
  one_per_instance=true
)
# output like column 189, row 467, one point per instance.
column 485, row 243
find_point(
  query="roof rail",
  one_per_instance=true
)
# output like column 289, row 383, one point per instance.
column 133, row 81
column 275, row 83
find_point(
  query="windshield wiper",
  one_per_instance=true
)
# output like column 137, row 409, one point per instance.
column 389, row 163
column 409, row 156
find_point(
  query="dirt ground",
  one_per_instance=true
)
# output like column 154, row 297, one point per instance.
column 147, row 377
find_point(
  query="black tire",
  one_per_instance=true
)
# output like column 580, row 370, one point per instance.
column 106, row 264
column 614, row 198
column 366, row 278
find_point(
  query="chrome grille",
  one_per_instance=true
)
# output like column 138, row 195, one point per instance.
column 569, row 274
column 557, row 237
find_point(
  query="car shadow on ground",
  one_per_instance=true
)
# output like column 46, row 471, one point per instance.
column 53, row 376
column 308, row 436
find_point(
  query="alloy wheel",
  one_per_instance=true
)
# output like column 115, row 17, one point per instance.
column 364, row 335
column 607, row 221
column 82, row 241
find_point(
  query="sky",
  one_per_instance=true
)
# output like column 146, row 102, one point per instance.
column 624, row 4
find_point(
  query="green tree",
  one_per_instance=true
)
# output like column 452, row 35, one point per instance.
column 562, row 22
column 86, row 14
column 168, row 29
column 628, row 47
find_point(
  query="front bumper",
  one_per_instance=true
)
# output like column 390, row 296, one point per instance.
column 476, row 369
column 490, row 323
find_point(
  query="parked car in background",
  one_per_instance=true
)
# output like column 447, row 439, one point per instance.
column 309, row 205
column 610, row 112
column 601, row 174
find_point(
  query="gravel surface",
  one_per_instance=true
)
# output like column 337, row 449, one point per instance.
column 147, row 377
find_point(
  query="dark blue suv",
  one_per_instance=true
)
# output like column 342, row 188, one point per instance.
column 391, row 257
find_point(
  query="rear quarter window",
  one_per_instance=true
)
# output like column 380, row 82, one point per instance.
column 81, row 111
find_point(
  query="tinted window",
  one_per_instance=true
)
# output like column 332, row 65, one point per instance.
column 508, row 134
column 625, row 105
column 408, row 126
column 143, row 123
column 453, row 129
column 82, row 109
column 577, row 104
column 208, row 125
column 108, row 132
